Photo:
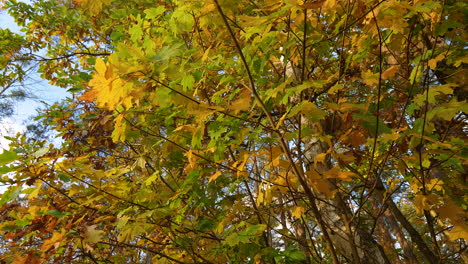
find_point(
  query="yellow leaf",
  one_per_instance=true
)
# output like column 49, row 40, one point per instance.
column 311, row 111
column 268, row 194
column 392, row 182
column 92, row 235
column 54, row 241
column 260, row 197
column 284, row 164
column 30, row 258
column 458, row 232
column 258, row 259
column 460, row 60
column 240, row 168
column 275, row 162
column 433, row 62
column 222, row 224
column 308, row 109
column 214, row 176
column 92, row 6
column 109, row 89
column 276, row 151
column 298, row 211
column 242, row 104
column 425, row 202
column 336, row 173
column 120, row 127
column 320, row 158
column 312, row 4
column 189, row 128
column 435, row 184
column 387, row 137
column 141, row 162
column 370, row 78
column 401, row 167
column 192, row 159
column 281, row 120
column 100, row 66
column 36, row 191
column 335, row 88
column 208, row 8
column 207, row 53
column 329, row 5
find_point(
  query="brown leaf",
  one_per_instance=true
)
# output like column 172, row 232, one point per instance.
column 390, row 72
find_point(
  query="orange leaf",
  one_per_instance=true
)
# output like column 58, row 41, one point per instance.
column 214, row 176
column 390, row 72
column 89, row 96
column 320, row 158
column 54, row 241
column 336, row 173
column 29, row 259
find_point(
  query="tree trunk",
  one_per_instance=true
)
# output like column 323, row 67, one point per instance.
column 355, row 244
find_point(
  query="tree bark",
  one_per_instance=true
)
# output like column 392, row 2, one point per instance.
column 415, row 236
column 355, row 244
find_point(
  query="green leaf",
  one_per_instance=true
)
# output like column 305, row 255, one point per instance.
column 5, row 169
column 63, row 177
column 294, row 254
column 41, row 152
column 7, row 157
column 254, row 230
column 154, row 12
column 11, row 194
column 309, row 110
column 187, row 82
column 56, row 213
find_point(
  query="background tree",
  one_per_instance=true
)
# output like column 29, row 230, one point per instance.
column 243, row 132
column 13, row 73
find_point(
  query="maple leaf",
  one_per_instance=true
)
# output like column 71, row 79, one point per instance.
column 298, row 211
column 93, row 6
column 458, row 232
column 425, row 202
column 92, row 235
column 243, row 103
column 54, row 241
column 89, row 95
column 170, row 151
column 390, row 72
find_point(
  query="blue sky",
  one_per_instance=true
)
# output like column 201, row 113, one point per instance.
column 39, row 88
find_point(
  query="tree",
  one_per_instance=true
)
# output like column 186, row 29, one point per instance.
column 13, row 72
column 243, row 132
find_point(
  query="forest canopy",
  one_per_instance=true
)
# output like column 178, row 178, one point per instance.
column 246, row 131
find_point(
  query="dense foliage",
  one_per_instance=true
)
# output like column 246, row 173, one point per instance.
column 247, row 131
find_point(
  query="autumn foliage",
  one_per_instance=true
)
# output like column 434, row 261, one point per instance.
column 247, row 131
